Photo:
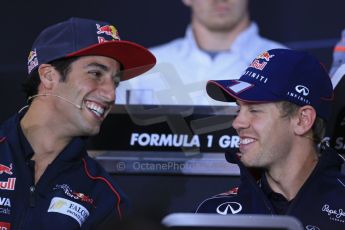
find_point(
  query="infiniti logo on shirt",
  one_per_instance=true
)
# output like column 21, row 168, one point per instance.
column 229, row 208
column 302, row 89
column 311, row 227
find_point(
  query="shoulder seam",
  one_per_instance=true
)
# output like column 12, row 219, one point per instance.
column 107, row 183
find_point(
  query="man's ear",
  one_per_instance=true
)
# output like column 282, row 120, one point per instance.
column 305, row 118
column 47, row 74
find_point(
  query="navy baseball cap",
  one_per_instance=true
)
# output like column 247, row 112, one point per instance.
column 82, row 37
column 279, row 75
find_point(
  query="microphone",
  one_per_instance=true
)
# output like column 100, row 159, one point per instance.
column 54, row 95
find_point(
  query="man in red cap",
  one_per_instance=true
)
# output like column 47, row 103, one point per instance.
column 50, row 182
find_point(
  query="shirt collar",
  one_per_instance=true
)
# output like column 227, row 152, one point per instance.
column 278, row 201
column 26, row 147
column 74, row 150
column 242, row 40
column 265, row 186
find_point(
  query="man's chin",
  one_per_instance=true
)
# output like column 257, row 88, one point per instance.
column 92, row 131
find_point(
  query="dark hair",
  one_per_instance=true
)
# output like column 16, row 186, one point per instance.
column 63, row 66
column 289, row 109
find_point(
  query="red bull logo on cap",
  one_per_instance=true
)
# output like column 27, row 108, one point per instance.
column 109, row 30
column 265, row 55
column 260, row 64
column 32, row 60
column 32, row 55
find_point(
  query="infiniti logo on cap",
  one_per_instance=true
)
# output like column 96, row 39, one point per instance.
column 302, row 89
column 229, row 208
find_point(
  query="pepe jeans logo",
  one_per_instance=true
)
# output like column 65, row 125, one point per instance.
column 334, row 214
column 229, row 208
column 302, row 89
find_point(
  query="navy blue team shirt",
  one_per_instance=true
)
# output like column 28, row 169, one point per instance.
column 319, row 204
column 74, row 192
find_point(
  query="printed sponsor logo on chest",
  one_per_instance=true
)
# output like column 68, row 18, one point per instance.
column 229, row 208
column 335, row 214
column 69, row 208
column 75, row 195
column 5, row 226
column 5, row 206
column 6, row 169
column 9, row 184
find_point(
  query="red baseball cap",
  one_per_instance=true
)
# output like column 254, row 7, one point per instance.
column 83, row 37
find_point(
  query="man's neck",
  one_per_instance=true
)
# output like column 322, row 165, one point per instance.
column 43, row 133
column 217, row 40
column 287, row 179
column 44, row 137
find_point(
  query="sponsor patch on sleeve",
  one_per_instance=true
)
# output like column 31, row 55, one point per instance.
column 69, row 208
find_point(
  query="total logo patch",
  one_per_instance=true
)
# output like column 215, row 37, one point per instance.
column 69, row 208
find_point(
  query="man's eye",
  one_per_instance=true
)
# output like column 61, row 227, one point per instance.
column 116, row 81
column 116, row 84
column 95, row 73
column 254, row 110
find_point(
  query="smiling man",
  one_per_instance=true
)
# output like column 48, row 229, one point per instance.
column 47, row 179
column 284, row 100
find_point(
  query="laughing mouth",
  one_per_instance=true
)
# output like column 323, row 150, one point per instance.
column 95, row 108
column 245, row 141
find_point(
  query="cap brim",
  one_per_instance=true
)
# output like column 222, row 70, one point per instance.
column 232, row 90
column 134, row 58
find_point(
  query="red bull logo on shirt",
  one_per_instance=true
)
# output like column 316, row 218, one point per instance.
column 6, row 169
column 8, row 185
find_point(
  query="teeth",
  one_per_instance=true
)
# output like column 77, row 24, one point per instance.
column 99, row 111
column 245, row 141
